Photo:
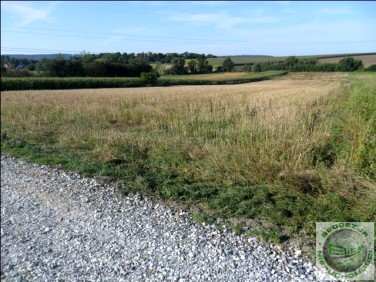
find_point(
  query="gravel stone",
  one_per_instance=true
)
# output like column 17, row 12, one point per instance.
column 60, row 226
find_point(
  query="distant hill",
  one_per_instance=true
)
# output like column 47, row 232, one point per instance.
column 40, row 56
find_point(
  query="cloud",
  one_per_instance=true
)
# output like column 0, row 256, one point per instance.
column 26, row 14
column 220, row 20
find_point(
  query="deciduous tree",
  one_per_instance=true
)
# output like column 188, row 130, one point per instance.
column 228, row 64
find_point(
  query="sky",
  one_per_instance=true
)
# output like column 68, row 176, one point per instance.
column 277, row 28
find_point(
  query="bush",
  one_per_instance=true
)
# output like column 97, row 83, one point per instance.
column 371, row 68
column 257, row 68
column 228, row 65
column 149, row 78
column 349, row 64
column 219, row 69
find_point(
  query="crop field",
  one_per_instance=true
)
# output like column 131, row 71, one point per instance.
column 41, row 83
column 366, row 59
column 275, row 156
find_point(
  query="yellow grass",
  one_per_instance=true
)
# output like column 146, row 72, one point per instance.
column 212, row 117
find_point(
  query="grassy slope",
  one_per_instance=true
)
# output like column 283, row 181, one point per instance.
column 283, row 153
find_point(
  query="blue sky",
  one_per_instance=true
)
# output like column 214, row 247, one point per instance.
column 276, row 28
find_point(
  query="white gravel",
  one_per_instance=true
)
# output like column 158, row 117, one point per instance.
column 59, row 226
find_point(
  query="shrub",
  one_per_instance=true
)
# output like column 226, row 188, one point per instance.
column 228, row 65
column 371, row 68
column 257, row 68
column 349, row 64
column 149, row 78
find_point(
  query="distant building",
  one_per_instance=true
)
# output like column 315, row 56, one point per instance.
column 8, row 66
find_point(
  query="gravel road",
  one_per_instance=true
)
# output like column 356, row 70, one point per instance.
column 59, row 226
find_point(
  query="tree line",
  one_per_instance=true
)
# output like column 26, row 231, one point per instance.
column 123, row 58
column 295, row 64
column 132, row 65
column 103, row 65
column 200, row 65
column 194, row 66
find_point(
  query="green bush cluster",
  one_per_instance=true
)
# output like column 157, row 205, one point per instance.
column 149, row 78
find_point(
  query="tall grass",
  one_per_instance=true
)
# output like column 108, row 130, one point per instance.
column 286, row 152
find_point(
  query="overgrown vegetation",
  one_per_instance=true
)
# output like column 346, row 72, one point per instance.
column 285, row 153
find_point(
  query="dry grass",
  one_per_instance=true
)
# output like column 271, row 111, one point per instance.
column 219, row 119
column 366, row 59
column 214, row 145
